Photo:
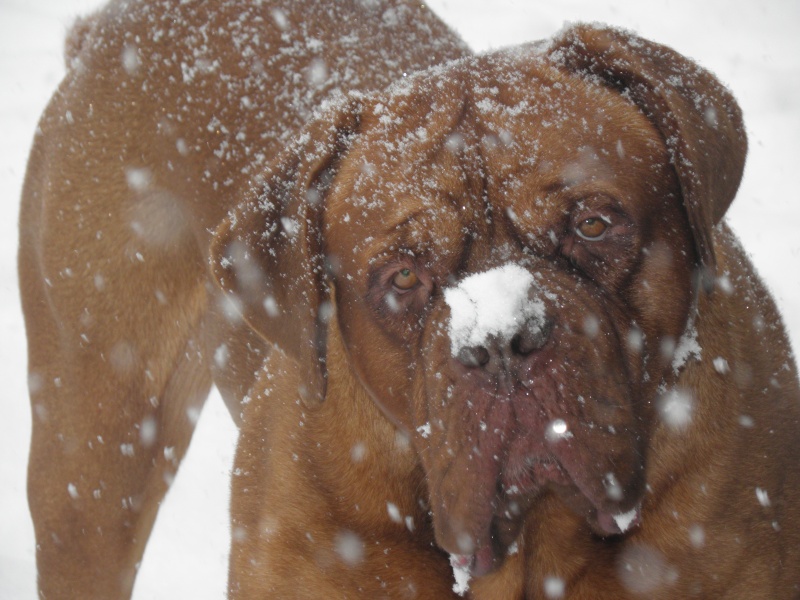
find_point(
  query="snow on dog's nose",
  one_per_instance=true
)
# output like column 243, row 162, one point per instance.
column 495, row 306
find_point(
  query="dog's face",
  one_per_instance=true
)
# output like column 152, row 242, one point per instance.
column 510, row 246
column 501, row 273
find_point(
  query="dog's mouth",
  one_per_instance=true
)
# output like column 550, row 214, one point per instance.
column 481, row 529
column 515, row 495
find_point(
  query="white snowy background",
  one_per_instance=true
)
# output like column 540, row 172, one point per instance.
column 753, row 46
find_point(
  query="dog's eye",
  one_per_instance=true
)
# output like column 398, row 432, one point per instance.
column 405, row 280
column 592, row 229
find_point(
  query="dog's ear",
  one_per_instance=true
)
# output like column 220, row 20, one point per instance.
column 267, row 255
column 698, row 117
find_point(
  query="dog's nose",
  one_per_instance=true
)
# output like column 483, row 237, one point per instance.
column 531, row 337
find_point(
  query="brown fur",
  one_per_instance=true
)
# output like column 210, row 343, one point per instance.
column 368, row 451
column 166, row 117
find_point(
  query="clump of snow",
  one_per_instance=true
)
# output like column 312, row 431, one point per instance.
column 271, row 306
column 317, row 73
column 130, row 59
column 675, row 408
column 635, row 339
column 492, row 303
column 409, row 520
column 557, row 430
column 349, row 547
column 193, row 414
column 612, row 486
column 424, row 430
column 72, row 490
column 697, row 536
column 138, row 179
column 126, row 449
column 554, row 587
column 746, row 421
column 625, row 520
column 221, row 356
column 358, row 452
column 394, row 512
column 148, row 431
column 460, row 565
column 724, row 283
column 687, row 349
column 721, row 366
column 591, row 325
column 280, row 18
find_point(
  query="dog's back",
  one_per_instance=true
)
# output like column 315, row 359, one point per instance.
column 168, row 112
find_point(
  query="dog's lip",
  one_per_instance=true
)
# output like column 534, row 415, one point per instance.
column 607, row 518
column 478, row 564
column 528, row 471
column 606, row 514
column 604, row 520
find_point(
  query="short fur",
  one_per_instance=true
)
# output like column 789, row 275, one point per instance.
column 369, row 448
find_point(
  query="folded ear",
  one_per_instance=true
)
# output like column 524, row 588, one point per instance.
column 268, row 253
column 698, row 117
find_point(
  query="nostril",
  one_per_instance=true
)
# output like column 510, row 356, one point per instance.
column 518, row 346
column 473, row 356
column 534, row 336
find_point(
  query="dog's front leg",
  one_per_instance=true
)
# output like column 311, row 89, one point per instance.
column 116, row 369
column 328, row 501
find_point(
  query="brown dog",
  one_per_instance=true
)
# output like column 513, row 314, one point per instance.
column 488, row 312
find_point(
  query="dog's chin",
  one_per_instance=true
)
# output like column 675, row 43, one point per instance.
column 605, row 518
column 486, row 559
column 490, row 557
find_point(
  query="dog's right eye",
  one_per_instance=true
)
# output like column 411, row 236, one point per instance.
column 405, row 280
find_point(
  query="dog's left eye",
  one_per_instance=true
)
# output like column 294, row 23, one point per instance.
column 592, row 229
column 405, row 280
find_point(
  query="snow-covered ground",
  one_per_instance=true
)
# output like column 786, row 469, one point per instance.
column 752, row 46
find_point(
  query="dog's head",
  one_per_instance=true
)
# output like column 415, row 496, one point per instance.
column 510, row 245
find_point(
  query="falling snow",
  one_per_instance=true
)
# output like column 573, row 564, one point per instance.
column 30, row 66
column 676, row 408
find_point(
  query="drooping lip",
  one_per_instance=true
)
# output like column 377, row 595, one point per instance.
column 486, row 559
column 481, row 563
column 606, row 515
column 609, row 509
column 606, row 519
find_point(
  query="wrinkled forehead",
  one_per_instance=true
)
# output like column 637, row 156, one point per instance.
column 488, row 131
column 538, row 124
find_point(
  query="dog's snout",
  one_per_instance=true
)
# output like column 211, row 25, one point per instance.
column 502, row 353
